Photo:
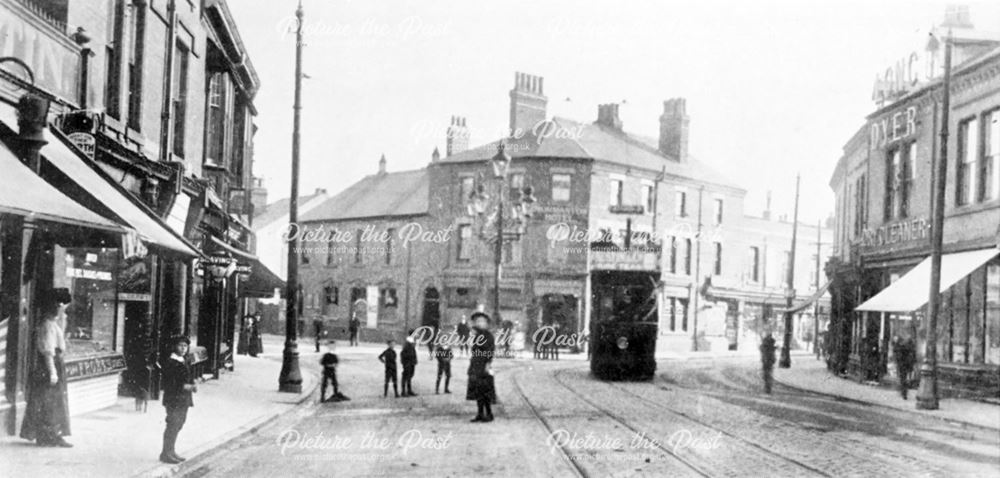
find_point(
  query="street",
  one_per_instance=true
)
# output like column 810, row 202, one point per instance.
column 697, row 418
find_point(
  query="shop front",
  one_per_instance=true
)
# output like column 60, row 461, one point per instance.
column 968, row 325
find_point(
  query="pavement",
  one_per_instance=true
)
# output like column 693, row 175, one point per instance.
column 808, row 374
column 120, row 441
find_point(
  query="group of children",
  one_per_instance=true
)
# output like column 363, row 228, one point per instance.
column 408, row 358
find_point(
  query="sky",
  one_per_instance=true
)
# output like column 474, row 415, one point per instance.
column 773, row 88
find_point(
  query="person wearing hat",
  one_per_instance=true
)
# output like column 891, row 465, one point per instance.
column 178, row 385
column 480, row 385
column 46, row 418
column 408, row 358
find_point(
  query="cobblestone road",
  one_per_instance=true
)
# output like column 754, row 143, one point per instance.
column 698, row 418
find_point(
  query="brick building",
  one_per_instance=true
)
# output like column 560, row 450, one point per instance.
column 607, row 201
column 881, row 259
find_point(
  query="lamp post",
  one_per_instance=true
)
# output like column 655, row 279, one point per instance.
column 520, row 213
column 927, row 395
column 290, row 379
column 786, row 356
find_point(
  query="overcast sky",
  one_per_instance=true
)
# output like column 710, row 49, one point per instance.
column 773, row 88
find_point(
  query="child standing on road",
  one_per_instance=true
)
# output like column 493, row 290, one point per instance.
column 388, row 357
column 443, row 355
column 329, row 363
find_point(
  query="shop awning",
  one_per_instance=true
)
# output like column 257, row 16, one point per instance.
column 808, row 303
column 60, row 153
column 24, row 193
column 909, row 293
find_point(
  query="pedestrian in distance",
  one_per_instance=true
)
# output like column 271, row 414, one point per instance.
column 481, row 387
column 256, row 343
column 178, row 386
column 46, row 418
column 388, row 357
column 353, row 327
column 443, row 354
column 906, row 358
column 463, row 335
column 318, row 331
column 767, row 349
column 330, row 361
column 435, row 333
column 408, row 357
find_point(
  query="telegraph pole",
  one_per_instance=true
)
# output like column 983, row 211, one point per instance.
column 290, row 379
column 927, row 395
column 819, row 238
column 786, row 356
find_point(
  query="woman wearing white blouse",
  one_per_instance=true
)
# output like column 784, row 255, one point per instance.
column 46, row 418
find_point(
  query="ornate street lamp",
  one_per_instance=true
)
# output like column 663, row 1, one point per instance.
column 520, row 212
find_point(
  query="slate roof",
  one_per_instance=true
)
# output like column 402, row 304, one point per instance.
column 600, row 143
column 403, row 193
column 277, row 209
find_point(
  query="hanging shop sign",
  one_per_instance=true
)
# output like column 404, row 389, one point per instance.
column 913, row 230
column 633, row 260
column 85, row 142
column 627, row 209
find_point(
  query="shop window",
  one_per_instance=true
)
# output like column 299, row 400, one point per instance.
column 617, row 190
column 989, row 171
column 562, row 186
column 968, row 147
column 992, row 319
column 90, row 275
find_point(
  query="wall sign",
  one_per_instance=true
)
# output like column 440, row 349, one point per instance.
column 80, row 369
column 627, row 209
column 899, row 125
column 896, row 233
column 55, row 61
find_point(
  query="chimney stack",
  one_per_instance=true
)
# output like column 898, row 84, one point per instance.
column 381, row 165
column 674, row 125
column 436, row 155
column 527, row 103
column 457, row 138
column 607, row 115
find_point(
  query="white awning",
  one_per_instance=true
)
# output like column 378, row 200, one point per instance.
column 909, row 293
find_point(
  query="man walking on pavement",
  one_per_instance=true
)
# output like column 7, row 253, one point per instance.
column 388, row 357
column 444, row 356
column 408, row 357
column 767, row 348
column 905, row 352
column 355, row 324
column 318, row 331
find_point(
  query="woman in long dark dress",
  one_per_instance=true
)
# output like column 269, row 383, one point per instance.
column 481, row 386
column 46, row 418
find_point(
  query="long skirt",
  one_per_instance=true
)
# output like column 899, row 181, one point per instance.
column 480, row 387
column 46, row 415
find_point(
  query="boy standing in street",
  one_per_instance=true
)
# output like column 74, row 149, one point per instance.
column 443, row 355
column 178, row 385
column 388, row 357
column 767, row 348
column 329, row 363
column 408, row 357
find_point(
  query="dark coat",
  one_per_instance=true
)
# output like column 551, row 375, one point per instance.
column 462, row 330
column 408, row 356
column 172, row 379
column 767, row 348
column 481, row 386
column 388, row 357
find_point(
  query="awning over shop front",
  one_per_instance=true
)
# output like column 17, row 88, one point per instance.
column 24, row 193
column 59, row 153
column 809, row 302
column 909, row 293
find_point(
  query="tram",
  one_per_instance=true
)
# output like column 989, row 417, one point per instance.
column 623, row 325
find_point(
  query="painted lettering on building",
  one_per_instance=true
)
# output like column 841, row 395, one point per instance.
column 54, row 63
column 902, row 77
column 894, row 127
column 93, row 366
column 896, row 233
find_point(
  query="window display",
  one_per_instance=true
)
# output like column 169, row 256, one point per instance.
column 92, row 318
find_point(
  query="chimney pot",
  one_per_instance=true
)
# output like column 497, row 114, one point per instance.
column 527, row 103
column 381, row 165
column 457, row 137
column 607, row 115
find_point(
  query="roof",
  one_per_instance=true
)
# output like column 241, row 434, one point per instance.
column 403, row 193
column 274, row 211
column 593, row 141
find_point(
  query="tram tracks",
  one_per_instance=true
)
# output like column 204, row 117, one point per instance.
column 567, row 455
